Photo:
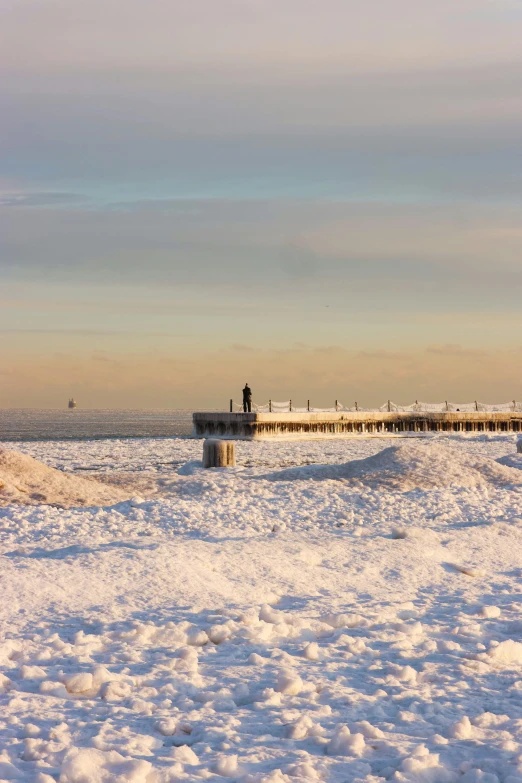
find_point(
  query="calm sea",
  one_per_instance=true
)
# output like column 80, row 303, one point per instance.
column 32, row 424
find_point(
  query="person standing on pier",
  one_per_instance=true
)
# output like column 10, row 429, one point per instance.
column 247, row 399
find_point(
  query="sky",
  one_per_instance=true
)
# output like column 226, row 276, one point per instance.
column 320, row 197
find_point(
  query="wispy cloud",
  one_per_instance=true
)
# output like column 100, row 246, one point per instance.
column 52, row 199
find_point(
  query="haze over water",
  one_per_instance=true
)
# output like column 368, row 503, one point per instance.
column 34, row 424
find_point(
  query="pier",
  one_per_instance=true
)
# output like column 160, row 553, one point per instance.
column 260, row 426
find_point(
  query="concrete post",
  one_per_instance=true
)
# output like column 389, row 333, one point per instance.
column 219, row 454
column 519, row 444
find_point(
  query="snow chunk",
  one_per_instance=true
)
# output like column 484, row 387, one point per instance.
column 32, row 673
column 225, row 765
column 256, row 660
column 185, row 755
column 116, row 691
column 272, row 616
column 276, row 776
column 88, row 764
column 312, row 652
column 219, row 634
column 438, row 739
column 186, row 660
column 289, row 682
column 167, row 727
column 488, row 720
column 304, row 727
column 197, row 638
column 343, row 743
column 31, row 730
column 407, row 674
column 303, row 771
column 477, row 776
column 462, row 729
column 7, row 770
column 5, row 683
column 423, row 767
column 189, row 468
column 368, row 731
column 490, row 611
column 507, row 653
column 344, row 620
column 79, row 683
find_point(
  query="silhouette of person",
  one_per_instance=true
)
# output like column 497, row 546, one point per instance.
column 247, row 399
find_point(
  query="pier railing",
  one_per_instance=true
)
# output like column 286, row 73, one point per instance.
column 273, row 406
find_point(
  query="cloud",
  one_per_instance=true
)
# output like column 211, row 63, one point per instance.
column 450, row 349
column 52, row 199
column 380, row 355
column 235, row 33
column 103, row 358
column 74, row 332
column 472, row 355
column 240, row 348
column 299, row 262
column 235, row 255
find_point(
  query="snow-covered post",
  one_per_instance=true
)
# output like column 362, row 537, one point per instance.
column 519, row 444
column 219, row 454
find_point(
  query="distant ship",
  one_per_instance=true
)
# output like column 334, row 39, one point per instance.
column 72, row 403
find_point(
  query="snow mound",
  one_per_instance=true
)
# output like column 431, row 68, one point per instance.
column 25, row 481
column 413, row 465
column 512, row 460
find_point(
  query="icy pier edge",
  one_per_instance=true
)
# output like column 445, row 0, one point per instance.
column 260, row 426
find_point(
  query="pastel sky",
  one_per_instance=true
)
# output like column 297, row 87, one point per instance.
column 322, row 197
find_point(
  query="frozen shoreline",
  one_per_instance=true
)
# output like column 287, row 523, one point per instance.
column 239, row 617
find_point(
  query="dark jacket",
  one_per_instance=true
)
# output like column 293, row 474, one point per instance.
column 247, row 393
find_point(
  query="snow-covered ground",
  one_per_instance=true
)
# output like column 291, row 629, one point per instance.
column 265, row 623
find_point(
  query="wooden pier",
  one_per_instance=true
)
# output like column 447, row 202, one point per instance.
column 259, row 426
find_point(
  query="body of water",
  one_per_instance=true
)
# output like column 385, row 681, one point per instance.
column 33, row 424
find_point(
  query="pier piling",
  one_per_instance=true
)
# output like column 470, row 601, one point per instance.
column 219, row 453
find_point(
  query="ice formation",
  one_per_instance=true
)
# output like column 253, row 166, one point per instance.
column 25, row 481
column 258, row 631
column 414, row 465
